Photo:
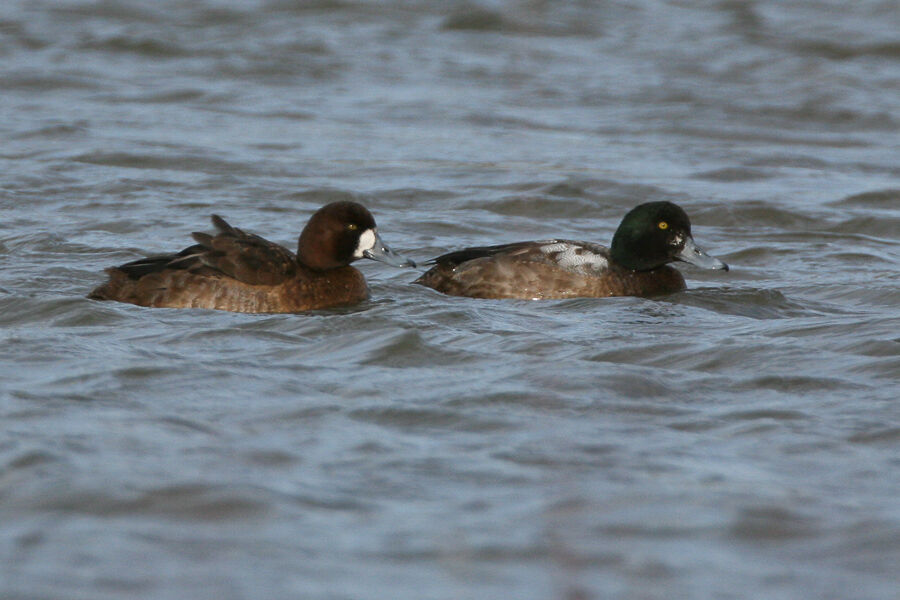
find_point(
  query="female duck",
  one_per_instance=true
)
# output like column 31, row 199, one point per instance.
column 241, row 272
column 650, row 236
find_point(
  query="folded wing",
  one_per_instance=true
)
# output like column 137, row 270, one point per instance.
column 231, row 252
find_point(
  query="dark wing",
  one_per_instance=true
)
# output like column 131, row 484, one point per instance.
column 453, row 259
column 231, row 252
column 152, row 264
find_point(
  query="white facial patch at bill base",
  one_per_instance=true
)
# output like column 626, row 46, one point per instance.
column 571, row 256
column 367, row 241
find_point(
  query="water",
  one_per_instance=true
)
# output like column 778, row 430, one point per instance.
column 737, row 440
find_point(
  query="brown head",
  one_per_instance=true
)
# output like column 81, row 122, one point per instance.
column 338, row 234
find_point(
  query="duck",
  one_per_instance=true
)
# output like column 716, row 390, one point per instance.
column 236, row 271
column 650, row 237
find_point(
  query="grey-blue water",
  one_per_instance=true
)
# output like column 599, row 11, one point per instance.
column 737, row 440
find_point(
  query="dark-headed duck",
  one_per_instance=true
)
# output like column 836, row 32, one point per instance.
column 241, row 272
column 650, row 236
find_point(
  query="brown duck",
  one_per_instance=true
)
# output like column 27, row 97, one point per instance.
column 650, row 236
column 242, row 272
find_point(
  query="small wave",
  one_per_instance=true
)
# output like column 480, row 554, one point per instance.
column 763, row 214
column 772, row 523
column 409, row 418
column 525, row 21
column 884, row 226
column 30, row 81
column 325, row 6
column 121, row 11
column 408, row 348
column 182, row 424
column 192, row 502
column 877, row 435
column 17, row 33
column 788, row 384
column 835, row 118
column 143, row 46
column 756, row 303
column 773, row 136
column 17, row 310
column 837, row 51
column 885, row 368
column 29, row 459
column 774, row 414
column 175, row 96
column 794, row 161
column 168, row 162
column 274, row 66
column 732, row 174
column 60, row 130
column 884, row 199
column 880, row 289
column 538, row 207
column 475, row 19
column 874, row 347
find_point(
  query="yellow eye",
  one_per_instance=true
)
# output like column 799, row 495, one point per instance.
column 663, row 225
column 352, row 226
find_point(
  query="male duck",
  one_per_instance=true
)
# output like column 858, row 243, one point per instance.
column 650, row 236
column 242, row 272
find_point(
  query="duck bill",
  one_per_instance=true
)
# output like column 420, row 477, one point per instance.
column 691, row 253
column 383, row 253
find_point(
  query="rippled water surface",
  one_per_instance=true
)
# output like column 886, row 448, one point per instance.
column 737, row 440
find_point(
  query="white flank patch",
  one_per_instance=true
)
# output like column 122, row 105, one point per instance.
column 366, row 242
column 568, row 257
column 554, row 246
